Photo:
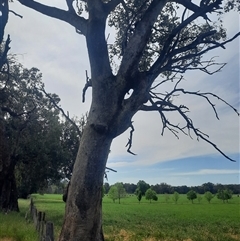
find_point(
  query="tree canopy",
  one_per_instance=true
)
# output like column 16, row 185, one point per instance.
column 37, row 145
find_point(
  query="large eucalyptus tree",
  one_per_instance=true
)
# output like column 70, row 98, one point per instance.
column 155, row 39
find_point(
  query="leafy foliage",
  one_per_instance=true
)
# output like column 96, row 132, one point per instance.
column 175, row 197
column 209, row 196
column 191, row 195
column 138, row 193
column 224, row 194
column 151, row 195
column 38, row 141
column 142, row 186
column 117, row 191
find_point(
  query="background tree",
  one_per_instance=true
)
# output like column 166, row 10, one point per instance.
column 175, row 197
column 167, row 197
column 143, row 186
column 162, row 188
column 155, row 44
column 106, row 187
column 121, row 192
column 20, row 107
column 208, row 187
column 151, row 195
column 191, row 195
column 199, row 197
column 130, row 187
column 113, row 193
column 224, row 194
column 138, row 193
column 35, row 147
column 209, row 196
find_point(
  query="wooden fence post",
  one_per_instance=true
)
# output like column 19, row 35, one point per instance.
column 44, row 229
column 49, row 231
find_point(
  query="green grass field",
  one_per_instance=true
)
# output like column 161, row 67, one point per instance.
column 14, row 227
column 131, row 221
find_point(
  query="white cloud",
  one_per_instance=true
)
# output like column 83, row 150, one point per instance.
column 61, row 55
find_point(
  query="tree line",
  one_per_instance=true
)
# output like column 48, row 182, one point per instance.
column 118, row 191
column 164, row 188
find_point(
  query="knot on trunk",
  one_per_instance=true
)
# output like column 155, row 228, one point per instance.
column 100, row 128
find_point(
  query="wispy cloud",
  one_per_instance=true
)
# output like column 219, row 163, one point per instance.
column 208, row 172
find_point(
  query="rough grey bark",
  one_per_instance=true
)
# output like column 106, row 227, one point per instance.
column 83, row 208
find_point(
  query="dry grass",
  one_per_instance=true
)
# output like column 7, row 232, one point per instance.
column 7, row 239
column 124, row 235
column 237, row 237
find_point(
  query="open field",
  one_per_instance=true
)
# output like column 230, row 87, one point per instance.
column 131, row 221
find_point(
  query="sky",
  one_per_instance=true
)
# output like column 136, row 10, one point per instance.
column 60, row 54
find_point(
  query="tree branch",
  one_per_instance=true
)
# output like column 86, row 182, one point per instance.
column 138, row 41
column 62, row 111
column 87, row 85
column 16, row 14
column 70, row 5
column 69, row 17
column 111, row 5
column 156, row 68
column 4, row 9
column 164, row 104
column 129, row 144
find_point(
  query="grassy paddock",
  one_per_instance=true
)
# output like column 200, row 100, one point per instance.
column 158, row 221
column 131, row 221
column 13, row 226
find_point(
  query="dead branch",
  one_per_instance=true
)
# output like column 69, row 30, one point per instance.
column 164, row 104
column 129, row 144
column 16, row 14
column 69, row 17
column 87, row 85
column 61, row 110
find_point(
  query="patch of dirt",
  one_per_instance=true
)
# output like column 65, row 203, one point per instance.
column 234, row 236
column 7, row 239
column 125, row 236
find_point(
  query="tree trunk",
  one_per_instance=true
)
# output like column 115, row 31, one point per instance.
column 83, row 217
column 8, row 188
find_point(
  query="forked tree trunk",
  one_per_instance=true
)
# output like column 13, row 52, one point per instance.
column 83, row 216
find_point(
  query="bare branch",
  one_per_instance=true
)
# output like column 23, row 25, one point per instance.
column 165, row 104
column 70, row 5
column 4, row 9
column 61, row 110
column 156, row 68
column 110, row 169
column 16, row 14
column 129, row 144
column 14, row 114
column 87, row 85
column 3, row 58
column 72, row 18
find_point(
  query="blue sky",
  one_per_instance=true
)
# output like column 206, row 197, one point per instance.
column 60, row 53
column 189, row 171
